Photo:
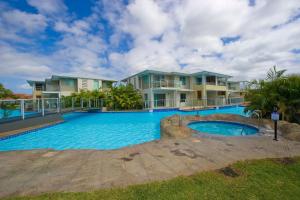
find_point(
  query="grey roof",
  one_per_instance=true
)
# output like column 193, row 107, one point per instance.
column 178, row 73
column 211, row 73
column 30, row 82
column 57, row 77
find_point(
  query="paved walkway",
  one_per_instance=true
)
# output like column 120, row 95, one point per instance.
column 34, row 172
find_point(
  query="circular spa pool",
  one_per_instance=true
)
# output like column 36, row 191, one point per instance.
column 223, row 128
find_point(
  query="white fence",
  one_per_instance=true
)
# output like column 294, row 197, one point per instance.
column 192, row 103
column 24, row 108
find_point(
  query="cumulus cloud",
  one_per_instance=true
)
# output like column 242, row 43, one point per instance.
column 23, row 65
column 48, row 6
column 190, row 35
column 15, row 25
column 117, row 39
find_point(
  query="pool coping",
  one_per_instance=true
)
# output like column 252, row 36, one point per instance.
column 258, row 133
column 23, row 131
column 176, row 126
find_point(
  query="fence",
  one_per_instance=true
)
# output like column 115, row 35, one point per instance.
column 25, row 108
column 194, row 103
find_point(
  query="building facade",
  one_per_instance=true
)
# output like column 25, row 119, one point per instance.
column 58, row 86
column 174, row 89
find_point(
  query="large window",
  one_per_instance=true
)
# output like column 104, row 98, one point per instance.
column 199, row 94
column 96, row 85
column 182, row 80
column 159, row 77
column 182, row 97
column 199, row 80
column 159, row 100
column 211, row 80
column 38, row 87
column 145, row 82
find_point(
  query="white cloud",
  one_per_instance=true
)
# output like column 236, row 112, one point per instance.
column 23, row 65
column 48, row 6
column 145, row 18
column 169, row 35
column 191, row 31
column 15, row 25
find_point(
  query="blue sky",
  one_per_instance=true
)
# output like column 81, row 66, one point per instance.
column 113, row 39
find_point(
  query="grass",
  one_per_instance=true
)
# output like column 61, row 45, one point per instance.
column 257, row 179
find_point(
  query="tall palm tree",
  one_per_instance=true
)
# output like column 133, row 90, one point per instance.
column 274, row 74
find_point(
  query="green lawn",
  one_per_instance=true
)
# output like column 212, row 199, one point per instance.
column 258, row 179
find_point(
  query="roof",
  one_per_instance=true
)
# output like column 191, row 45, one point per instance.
column 57, row 77
column 30, row 82
column 178, row 73
column 211, row 74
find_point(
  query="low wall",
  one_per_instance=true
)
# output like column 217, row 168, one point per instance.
column 176, row 126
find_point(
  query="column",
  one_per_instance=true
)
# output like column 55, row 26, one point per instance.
column 151, row 97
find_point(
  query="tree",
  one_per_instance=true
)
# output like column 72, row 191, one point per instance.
column 273, row 74
column 5, row 93
column 6, row 108
column 124, row 97
column 283, row 92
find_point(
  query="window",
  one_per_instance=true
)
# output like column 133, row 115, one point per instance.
column 84, row 84
column 221, row 93
column 159, row 77
column 221, row 81
column 182, row 98
column 145, row 97
column 211, row 80
column 199, row 80
column 38, row 87
column 182, row 80
column 199, row 94
column 70, row 82
column 96, row 85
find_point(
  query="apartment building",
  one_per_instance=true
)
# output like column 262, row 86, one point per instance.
column 58, row 86
column 174, row 89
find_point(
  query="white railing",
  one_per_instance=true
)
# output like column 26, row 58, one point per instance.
column 192, row 103
column 168, row 84
column 25, row 108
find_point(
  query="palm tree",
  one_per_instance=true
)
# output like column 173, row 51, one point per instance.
column 274, row 74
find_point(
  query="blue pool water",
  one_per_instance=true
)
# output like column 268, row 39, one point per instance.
column 223, row 128
column 12, row 113
column 100, row 130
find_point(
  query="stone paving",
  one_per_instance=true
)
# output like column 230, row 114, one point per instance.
column 38, row 171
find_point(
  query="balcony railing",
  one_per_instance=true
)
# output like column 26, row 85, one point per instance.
column 210, row 83
column 233, row 88
column 168, row 84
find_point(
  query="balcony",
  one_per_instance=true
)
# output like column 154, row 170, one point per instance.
column 169, row 84
column 216, row 87
column 236, row 88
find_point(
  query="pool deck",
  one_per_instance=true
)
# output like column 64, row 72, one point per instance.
column 38, row 171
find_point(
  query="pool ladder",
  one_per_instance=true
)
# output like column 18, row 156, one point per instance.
column 258, row 115
column 242, row 130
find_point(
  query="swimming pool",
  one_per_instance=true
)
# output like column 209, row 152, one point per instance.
column 223, row 128
column 101, row 130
